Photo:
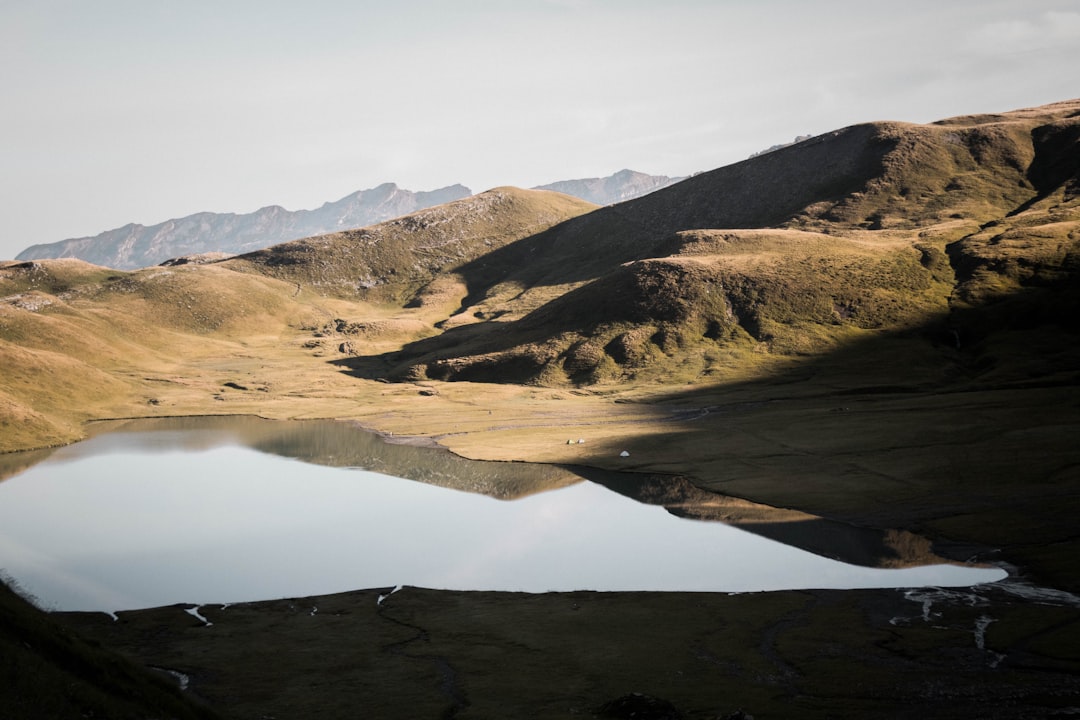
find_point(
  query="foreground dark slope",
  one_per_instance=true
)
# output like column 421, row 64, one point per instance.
column 47, row 671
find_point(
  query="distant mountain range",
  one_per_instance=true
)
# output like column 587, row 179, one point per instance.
column 134, row 246
column 623, row 185
column 781, row 146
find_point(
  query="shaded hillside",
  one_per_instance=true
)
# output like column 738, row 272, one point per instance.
column 51, row 672
column 875, row 227
column 135, row 246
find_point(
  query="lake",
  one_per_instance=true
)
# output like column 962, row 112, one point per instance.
column 212, row 510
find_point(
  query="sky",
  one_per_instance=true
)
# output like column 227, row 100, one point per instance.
column 119, row 111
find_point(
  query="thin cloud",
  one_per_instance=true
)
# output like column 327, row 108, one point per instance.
column 1048, row 31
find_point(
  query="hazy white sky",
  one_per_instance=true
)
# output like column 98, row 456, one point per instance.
column 120, row 111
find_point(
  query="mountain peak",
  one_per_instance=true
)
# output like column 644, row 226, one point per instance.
column 624, row 185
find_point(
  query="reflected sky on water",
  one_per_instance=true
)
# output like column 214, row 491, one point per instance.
column 139, row 519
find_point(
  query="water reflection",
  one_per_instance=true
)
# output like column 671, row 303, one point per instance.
column 828, row 538
column 321, row 442
column 219, row 509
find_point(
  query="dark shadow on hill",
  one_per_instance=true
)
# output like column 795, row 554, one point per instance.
column 1020, row 337
column 766, row 191
column 961, row 428
column 618, row 296
column 614, row 298
column 50, row 672
column 1056, row 163
column 973, row 445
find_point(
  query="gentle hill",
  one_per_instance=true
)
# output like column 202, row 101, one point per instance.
column 392, row 261
column 76, row 340
column 79, row 341
column 135, row 246
column 962, row 233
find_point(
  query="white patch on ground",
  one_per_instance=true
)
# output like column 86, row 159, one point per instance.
column 1039, row 595
column 980, row 640
column 930, row 595
column 182, row 679
column 383, row 597
column 980, row 630
column 194, row 612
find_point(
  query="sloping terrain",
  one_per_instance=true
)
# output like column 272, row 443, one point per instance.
column 878, row 227
column 80, row 341
column 960, row 236
column 49, row 671
column 412, row 258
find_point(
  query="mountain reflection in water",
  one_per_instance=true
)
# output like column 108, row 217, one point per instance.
column 154, row 512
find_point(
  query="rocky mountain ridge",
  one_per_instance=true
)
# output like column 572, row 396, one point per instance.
column 620, row 187
column 134, row 246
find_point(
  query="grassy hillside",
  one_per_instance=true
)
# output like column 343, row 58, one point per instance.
column 80, row 342
column 392, row 261
column 882, row 227
column 957, row 240
column 876, row 227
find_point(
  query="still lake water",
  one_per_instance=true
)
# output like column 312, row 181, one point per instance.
column 218, row 512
